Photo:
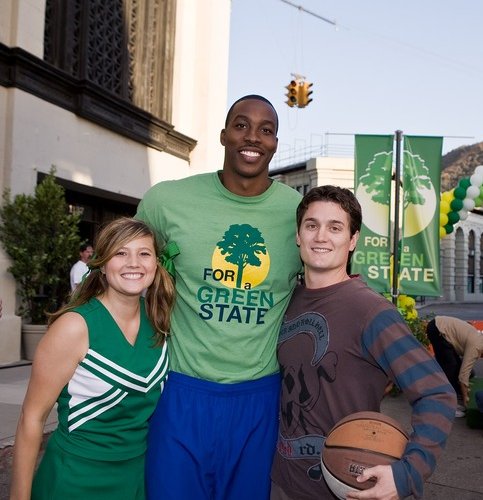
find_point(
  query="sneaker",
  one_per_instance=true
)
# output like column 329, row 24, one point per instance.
column 460, row 408
column 459, row 413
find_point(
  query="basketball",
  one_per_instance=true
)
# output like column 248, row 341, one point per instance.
column 357, row 442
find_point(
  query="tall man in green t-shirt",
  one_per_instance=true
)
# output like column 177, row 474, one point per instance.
column 213, row 434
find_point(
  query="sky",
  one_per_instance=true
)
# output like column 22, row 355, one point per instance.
column 412, row 65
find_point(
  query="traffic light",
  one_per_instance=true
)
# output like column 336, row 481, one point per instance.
column 292, row 94
column 304, row 94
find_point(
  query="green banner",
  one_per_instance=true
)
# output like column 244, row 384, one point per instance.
column 419, row 266
column 372, row 187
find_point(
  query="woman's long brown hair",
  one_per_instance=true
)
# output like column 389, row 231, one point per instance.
column 160, row 294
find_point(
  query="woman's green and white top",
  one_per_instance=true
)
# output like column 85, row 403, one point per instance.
column 103, row 411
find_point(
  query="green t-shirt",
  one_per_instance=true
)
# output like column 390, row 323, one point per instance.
column 235, row 273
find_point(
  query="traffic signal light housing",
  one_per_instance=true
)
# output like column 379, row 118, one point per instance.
column 298, row 92
column 292, row 93
column 304, row 94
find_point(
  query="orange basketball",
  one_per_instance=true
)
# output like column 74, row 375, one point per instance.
column 358, row 441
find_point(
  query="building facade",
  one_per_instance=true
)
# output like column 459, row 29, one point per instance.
column 117, row 95
column 462, row 261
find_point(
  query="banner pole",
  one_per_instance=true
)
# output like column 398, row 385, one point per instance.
column 397, row 182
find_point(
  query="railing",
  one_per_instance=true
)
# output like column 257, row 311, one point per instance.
column 287, row 155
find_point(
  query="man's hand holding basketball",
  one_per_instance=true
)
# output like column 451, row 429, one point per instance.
column 385, row 488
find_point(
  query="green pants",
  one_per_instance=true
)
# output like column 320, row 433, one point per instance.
column 62, row 476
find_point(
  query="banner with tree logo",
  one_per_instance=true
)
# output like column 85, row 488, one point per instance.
column 419, row 267
column 373, row 170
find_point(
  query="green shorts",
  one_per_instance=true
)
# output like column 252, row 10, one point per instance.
column 62, row 476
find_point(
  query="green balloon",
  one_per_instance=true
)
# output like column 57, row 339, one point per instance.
column 448, row 228
column 460, row 193
column 453, row 217
column 464, row 183
column 456, row 205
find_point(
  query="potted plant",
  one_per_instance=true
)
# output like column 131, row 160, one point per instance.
column 42, row 240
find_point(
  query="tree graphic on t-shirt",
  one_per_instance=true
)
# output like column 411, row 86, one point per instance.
column 241, row 245
column 375, row 178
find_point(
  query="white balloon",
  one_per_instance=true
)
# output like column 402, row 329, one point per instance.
column 472, row 192
column 476, row 180
column 468, row 204
column 479, row 170
column 463, row 214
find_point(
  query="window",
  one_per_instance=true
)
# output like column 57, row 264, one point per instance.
column 471, row 263
column 302, row 189
column 480, row 287
column 110, row 62
column 126, row 47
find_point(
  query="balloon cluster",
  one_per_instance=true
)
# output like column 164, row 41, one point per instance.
column 456, row 204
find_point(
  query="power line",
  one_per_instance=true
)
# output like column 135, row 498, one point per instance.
column 299, row 7
column 468, row 67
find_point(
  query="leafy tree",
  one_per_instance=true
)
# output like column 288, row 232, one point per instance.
column 242, row 244
column 415, row 177
column 42, row 240
column 375, row 178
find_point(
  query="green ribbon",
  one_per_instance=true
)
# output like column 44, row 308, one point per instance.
column 171, row 250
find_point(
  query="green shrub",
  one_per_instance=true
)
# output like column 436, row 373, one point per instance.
column 42, row 240
column 418, row 327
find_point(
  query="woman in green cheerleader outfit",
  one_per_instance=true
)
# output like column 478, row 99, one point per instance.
column 104, row 361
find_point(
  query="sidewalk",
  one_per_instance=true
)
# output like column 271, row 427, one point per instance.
column 459, row 472
column 13, row 384
column 466, row 310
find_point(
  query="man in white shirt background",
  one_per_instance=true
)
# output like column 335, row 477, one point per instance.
column 80, row 267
